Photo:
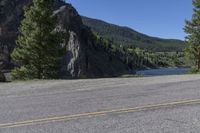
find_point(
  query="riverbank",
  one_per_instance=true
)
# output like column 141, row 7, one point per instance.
column 145, row 72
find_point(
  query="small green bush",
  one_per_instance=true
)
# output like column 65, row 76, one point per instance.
column 194, row 70
column 22, row 73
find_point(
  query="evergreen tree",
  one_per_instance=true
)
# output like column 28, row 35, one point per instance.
column 38, row 46
column 192, row 28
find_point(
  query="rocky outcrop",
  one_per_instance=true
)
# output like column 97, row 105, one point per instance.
column 84, row 57
column 11, row 14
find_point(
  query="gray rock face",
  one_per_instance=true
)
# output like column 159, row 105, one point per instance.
column 11, row 13
column 83, row 58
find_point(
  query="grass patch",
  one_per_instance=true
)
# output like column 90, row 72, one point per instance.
column 131, row 76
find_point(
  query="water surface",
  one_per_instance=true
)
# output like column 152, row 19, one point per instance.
column 163, row 71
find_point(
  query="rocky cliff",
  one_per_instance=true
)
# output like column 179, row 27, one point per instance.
column 84, row 57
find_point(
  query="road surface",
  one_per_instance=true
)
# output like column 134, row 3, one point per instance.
column 165, row 104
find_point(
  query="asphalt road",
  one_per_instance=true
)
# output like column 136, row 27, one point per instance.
column 166, row 104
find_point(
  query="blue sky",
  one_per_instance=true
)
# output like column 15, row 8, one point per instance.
column 160, row 18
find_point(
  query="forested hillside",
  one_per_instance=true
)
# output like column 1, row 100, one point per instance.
column 127, row 36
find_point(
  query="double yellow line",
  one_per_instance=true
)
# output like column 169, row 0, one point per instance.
column 95, row 114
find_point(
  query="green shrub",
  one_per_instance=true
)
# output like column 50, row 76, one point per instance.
column 194, row 70
column 22, row 73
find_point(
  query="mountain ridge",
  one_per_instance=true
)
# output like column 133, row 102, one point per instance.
column 132, row 37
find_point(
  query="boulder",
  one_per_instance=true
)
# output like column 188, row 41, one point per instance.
column 2, row 77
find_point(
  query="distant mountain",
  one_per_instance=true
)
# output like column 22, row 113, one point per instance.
column 127, row 36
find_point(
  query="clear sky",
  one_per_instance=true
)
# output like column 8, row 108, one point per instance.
column 160, row 18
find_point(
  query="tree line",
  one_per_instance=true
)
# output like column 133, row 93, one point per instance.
column 137, row 58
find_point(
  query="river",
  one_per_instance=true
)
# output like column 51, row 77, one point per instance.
column 163, row 71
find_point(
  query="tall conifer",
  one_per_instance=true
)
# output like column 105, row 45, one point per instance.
column 192, row 28
column 38, row 46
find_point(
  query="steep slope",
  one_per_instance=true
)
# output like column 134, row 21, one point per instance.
column 83, row 58
column 127, row 36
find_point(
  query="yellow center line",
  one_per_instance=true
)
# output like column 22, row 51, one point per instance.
column 95, row 114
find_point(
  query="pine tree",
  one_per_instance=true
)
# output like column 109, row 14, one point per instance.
column 192, row 28
column 38, row 45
